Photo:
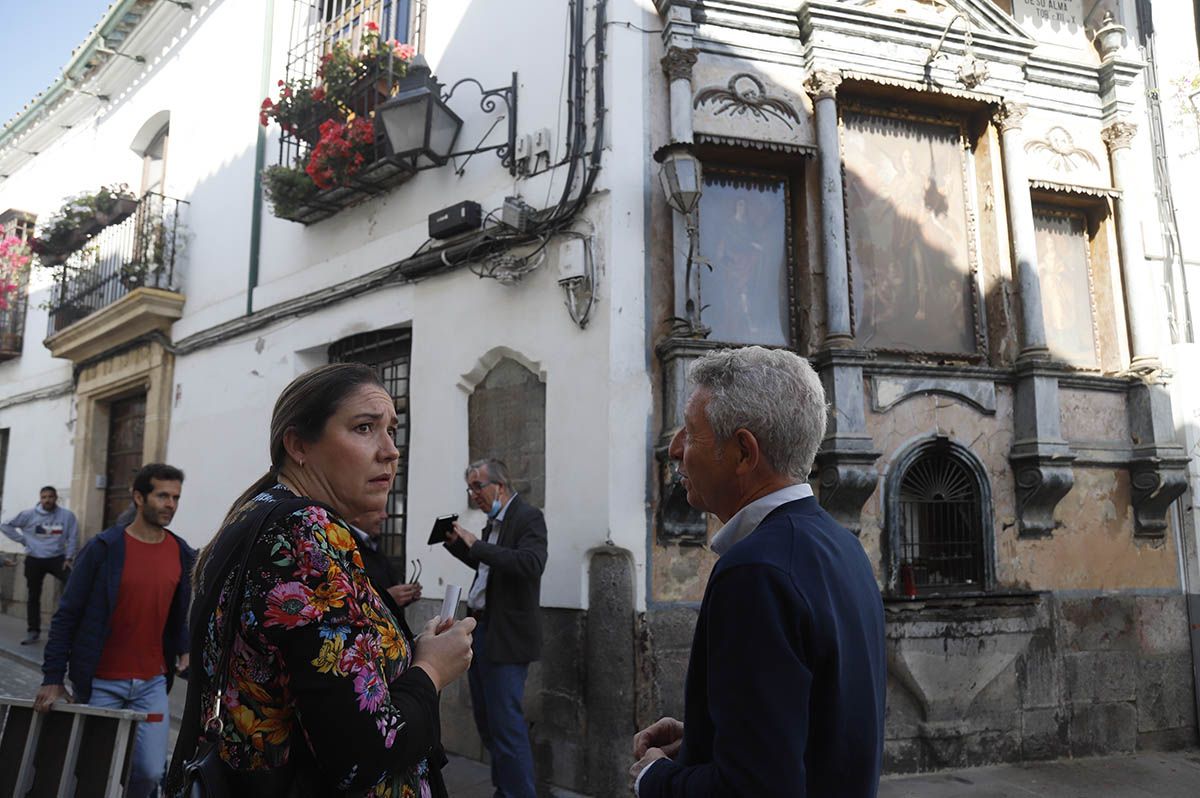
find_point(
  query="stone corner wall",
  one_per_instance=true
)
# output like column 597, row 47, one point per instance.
column 1043, row 677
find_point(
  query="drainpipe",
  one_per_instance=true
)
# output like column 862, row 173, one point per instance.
column 260, row 158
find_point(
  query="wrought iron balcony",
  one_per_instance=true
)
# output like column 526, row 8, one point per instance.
column 138, row 252
column 12, row 320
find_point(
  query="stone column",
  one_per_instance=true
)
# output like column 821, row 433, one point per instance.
column 1139, row 299
column 822, row 87
column 1020, row 220
column 678, row 64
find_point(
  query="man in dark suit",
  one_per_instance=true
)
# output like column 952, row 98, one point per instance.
column 505, row 601
column 785, row 688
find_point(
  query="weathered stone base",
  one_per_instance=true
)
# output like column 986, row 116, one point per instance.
column 1037, row 677
column 971, row 682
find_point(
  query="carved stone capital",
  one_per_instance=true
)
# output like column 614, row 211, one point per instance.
column 823, row 84
column 1011, row 116
column 678, row 63
column 847, row 480
column 1042, row 482
column 1118, row 135
column 1155, row 483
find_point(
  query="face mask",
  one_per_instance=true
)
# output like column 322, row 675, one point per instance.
column 496, row 507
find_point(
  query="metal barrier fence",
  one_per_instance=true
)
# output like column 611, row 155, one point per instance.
column 72, row 750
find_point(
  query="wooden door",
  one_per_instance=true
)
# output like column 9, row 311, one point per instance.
column 126, row 432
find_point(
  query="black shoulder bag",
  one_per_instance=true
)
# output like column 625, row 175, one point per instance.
column 203, row 774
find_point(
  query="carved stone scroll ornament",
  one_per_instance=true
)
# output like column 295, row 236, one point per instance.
column 1118, row 135
column 1059, row 147
column 1041, row 485
column 847, row 480
column 678, row 63
column 1011, row 116
column 1155, row 483
column 746, row 94
column 823, row 84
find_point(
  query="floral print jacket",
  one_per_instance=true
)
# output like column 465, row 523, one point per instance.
column 319, row 659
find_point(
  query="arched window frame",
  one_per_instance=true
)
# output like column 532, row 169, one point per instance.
column 939, row 445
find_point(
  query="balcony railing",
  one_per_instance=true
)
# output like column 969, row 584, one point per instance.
column 138, row 252
column 12, row 319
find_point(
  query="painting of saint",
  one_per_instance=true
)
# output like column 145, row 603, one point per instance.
column 908, row 239
column 744, row 237
column 1063, row 272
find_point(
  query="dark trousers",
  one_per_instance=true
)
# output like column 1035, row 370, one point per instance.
column 36, row 569
column 496, row 693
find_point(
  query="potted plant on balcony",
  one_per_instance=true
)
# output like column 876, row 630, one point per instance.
column 288, row 188
column 380, row 64
column 300, row 109
column 342, row 151
column 14, row 263
column 114, row 204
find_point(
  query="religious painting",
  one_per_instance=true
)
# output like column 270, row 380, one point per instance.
column 1064, row 272
column 909, row 234
column 745, row 255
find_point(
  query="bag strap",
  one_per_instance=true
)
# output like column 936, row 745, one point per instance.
column 205, row 605
column 233, row 612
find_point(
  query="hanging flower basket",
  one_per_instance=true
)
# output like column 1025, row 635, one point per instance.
column 120, row 210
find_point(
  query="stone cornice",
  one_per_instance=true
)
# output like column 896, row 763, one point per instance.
column 134, row 315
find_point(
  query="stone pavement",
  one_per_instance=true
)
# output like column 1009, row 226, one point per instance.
column 1162, row 775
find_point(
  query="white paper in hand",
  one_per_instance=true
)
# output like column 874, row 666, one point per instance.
column 450, row 602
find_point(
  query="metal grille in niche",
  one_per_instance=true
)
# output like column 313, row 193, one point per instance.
column 941, row 546
column 389, row 352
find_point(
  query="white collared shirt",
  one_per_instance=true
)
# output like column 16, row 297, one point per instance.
column 477, row 595
column 747, row 519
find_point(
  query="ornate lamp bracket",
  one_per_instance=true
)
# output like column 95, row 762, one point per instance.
column 488, row 99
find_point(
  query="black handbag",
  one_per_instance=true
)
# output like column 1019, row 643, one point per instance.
column 204, row 774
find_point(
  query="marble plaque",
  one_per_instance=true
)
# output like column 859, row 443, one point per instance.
column 1053, row 21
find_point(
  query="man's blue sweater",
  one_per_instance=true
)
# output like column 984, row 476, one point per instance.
column 785, row 688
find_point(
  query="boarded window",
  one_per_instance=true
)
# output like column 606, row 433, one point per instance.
column 507, row 421
column 910, row 242
column 744, row 237
column 1065, row 275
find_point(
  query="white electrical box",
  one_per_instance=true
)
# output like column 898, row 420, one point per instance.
column 572, row 263
column 541, row 143
column 524, row 150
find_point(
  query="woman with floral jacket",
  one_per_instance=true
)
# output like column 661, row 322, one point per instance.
column 326, row 694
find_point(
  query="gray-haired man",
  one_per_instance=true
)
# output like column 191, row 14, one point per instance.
column 505, row 601
column 785, row 688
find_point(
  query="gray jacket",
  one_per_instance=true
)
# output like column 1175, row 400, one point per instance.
column 44, row 534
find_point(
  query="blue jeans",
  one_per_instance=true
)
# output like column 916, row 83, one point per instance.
column 150, row 743
column 496, row 693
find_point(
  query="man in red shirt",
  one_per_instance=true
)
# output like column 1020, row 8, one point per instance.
column 122, row 622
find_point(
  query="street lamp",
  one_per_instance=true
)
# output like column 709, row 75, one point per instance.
column 681, row 175
column 418, row 125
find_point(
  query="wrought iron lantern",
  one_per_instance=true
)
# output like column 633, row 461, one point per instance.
column 681, row 175
column 420, row 127
column 417, row 123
